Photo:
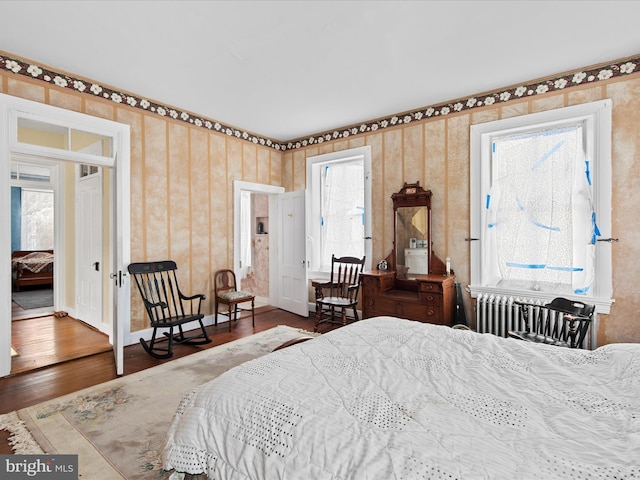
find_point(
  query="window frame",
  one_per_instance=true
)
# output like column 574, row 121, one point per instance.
column 596, row 117
column 314, row 166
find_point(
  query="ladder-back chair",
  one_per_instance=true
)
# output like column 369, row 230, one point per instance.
column 561, row 322
column 227, row 293
column 167, row 307
column 340, row 293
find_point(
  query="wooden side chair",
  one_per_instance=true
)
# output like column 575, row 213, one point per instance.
column 561, row 322
column 227, row 293
column 167, row 307
column 340, row 293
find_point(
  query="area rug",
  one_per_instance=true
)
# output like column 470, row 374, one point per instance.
column 118, row 428
column 29, row 299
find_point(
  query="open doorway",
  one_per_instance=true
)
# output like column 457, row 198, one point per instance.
column 255, row 260
column 32, row 240
column 40, row 336
column 254, row 245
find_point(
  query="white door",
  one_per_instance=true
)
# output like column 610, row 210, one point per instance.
column 89, row 263
column 293, row 292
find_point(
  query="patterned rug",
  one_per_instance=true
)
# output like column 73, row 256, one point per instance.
column 118, row 428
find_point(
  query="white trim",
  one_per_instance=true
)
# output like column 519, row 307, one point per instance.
column 312, row 205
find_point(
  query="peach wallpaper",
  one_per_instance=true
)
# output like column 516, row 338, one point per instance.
column 436, row 152
column 182, row 172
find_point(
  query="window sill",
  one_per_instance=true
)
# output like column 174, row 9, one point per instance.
column 603, row 305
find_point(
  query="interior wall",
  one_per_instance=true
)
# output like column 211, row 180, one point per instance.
column 182, row 181
column 436, row 153
column 181, row 185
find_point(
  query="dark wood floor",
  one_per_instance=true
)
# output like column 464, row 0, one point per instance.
column 28, row 388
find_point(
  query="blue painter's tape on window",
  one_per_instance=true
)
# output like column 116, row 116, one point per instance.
column 488, row 202
column 587, row 172
column 581, row 291
column 493, row 147
column 546, row 156
column 547, row 227
column 536, row 266
column 566, row 269
column 595, row 229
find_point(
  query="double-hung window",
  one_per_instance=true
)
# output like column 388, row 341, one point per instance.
column 339, row 207
column 541, row 204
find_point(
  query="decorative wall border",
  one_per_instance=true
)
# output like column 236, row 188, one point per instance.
column 572, row 79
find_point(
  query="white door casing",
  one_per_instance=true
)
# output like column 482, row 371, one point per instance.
column 12, row 108
column 292, row 282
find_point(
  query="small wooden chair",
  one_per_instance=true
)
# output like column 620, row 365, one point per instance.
column 167, row 306
column 561, row 322
column 227, row 293
column 340, row 293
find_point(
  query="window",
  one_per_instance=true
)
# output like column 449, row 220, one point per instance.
column 36, row 229
column 339, row 207
column 32, row 206
column 541, row 203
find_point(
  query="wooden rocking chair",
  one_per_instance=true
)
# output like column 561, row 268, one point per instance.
column 167, row 307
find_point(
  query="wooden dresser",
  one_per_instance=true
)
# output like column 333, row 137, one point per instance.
column 429, row 298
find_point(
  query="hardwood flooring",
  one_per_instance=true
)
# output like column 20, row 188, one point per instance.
column 45, row 341
column 28, row 388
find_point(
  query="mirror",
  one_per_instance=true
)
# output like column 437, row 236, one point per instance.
column 412, row 255
column 412, row 247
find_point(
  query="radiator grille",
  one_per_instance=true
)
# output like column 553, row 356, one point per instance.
column 498, row 314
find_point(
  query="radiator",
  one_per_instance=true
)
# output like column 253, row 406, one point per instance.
column 498, row 314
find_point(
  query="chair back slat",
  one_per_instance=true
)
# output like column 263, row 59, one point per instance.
column 345, row 276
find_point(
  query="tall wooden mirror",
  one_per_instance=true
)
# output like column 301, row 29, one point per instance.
column 412, row 247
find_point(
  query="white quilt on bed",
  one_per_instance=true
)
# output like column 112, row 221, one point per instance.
column 386, row 399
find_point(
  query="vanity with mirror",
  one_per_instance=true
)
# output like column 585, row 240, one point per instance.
column 416, row 283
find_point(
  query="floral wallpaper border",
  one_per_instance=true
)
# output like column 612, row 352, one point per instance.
column 575, row 78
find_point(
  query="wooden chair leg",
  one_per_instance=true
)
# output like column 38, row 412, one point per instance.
column 170, row 342
column 253, row 313
column 318, row 317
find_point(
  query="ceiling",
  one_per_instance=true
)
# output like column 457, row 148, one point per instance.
column 288, row 69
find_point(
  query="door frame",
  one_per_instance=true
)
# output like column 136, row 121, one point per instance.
column 12, row 107
column 273, row 191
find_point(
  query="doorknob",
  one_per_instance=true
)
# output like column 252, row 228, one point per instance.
column 96, row 266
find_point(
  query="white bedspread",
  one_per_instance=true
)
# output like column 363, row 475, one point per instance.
column 386, row 399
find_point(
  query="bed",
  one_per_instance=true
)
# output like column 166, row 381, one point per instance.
column 387, row 398
column 31, row 267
